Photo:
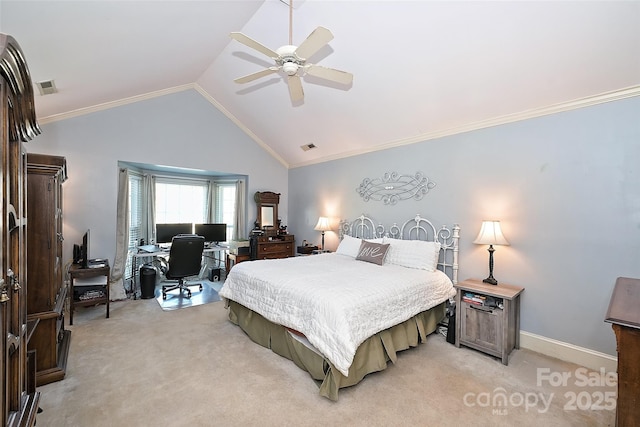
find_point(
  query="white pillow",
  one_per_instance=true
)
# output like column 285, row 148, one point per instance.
column 349, row 246
column 413, row 253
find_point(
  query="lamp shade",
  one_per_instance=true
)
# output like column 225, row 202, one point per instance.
column 491, row 234
column 323, row 224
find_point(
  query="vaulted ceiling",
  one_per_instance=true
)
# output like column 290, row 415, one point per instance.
column 422, row 69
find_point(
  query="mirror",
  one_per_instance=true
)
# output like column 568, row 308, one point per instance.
column 267, row 204
column 266, row 215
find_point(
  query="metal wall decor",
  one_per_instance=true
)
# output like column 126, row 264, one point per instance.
column 393, row 187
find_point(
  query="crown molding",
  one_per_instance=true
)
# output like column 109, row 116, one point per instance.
column 602, row 98
column 151, row 95
column 240, row 125
column 113, row 104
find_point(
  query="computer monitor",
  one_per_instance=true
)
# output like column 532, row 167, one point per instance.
column 165, row 232
column 84, row 250
column 214, row 233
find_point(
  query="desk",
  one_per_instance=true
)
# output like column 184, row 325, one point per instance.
column 208, row 253
column 76, row 272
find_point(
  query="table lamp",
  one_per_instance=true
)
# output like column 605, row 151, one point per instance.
column 490, row 234
column 323, row 225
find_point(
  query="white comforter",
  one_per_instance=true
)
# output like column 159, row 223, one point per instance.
column 336, row 301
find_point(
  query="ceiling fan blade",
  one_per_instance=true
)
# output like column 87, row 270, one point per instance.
column 316, row 41
column 254, row 44
column 330, row 74
column 295, row 88
column 254, row 76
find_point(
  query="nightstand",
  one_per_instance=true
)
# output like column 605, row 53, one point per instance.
column 306, row 250
column 233, row 259
column 488, row 317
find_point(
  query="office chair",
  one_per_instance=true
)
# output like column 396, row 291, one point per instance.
column 185, row 259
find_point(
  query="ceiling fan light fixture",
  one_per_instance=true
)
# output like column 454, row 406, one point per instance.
column 290, row 68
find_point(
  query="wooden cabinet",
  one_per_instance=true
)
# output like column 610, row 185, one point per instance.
column 271, row 247
column 47, row 291
column 233, row 259
column 18, row 395
column 488, row 317
column 624, row 316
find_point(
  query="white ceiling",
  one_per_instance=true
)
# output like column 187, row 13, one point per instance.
column 421, row 69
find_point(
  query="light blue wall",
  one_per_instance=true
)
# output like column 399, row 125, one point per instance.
column 566, row 188
column 181, row 129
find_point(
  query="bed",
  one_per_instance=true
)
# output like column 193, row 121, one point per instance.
column 343, row 315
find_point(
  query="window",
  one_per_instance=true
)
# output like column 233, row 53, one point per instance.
column 179, row 200
column 226, row 206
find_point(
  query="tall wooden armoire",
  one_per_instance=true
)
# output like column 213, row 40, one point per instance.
column 18, row 395
column 47, row 292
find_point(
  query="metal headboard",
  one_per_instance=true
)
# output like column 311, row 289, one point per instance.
column 362, row 227
column 416, row 228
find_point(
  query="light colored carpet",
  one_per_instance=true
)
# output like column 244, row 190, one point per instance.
column 148, row 367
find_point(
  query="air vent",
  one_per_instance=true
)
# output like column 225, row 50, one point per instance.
column 307, row 147
column 47, row 87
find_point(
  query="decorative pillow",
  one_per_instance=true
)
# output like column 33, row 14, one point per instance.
column 349, row 246
column 413, row 253
column 372, row 252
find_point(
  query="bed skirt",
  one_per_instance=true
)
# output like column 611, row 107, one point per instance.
column 372, row 355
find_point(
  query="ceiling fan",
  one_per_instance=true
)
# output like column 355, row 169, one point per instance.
column 293, row 59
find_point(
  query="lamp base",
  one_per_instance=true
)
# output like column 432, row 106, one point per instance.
column 490, row 280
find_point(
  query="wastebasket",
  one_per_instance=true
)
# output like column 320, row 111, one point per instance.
column 147, row 281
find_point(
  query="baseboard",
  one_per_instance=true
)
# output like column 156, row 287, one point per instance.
column 568, row 352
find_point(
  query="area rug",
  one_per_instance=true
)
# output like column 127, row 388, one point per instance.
column 176, row 300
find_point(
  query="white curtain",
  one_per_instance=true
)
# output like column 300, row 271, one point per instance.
column 149, row 211
column 116, row 286
column 211, row 203
column 240, row 230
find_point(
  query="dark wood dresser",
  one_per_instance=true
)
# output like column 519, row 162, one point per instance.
column 271, row 247
column 624, row 315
